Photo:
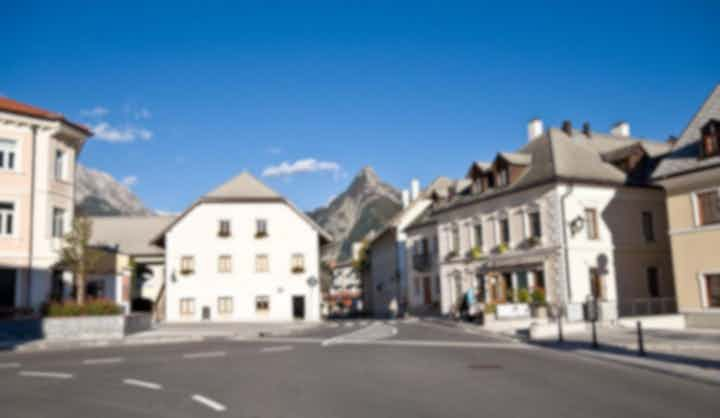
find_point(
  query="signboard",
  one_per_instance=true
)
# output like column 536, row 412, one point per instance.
column 513, row 310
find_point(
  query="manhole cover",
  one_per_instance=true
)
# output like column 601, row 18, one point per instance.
column 484, row 367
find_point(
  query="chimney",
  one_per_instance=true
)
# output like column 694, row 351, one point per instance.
column 534, row 129
column 414, row 189
column 621, row 129
column 405, row 198
column 567, row 127
column 586, row 129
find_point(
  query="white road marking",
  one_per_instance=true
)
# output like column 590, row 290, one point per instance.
column 9, row 365
column 363, row 323
column 143, row 384
column 50, row 375
column 349, row 324
column 208, row 354
column 451, row 344
column 276, row 349
column 374, row 331
column 108, row 360
column 209, row 403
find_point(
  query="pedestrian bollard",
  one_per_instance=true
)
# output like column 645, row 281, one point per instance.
column 641, row 343
column 560, row 329
column 594, row 335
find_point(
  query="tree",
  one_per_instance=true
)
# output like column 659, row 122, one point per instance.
column 78, row 256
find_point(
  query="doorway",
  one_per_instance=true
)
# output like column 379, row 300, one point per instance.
column 427, row 290
column 7, row 288
column 298, row 303
column 206, row 313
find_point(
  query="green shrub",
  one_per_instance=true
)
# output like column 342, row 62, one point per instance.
column 538, row 297
column 93, row 307
column 523, row 296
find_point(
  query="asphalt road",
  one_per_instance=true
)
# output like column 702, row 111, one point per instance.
column 378, row 368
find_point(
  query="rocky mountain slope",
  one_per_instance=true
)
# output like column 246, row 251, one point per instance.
column 366, row 205
column 98, row 193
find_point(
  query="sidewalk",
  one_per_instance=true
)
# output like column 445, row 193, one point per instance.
column 169, row 334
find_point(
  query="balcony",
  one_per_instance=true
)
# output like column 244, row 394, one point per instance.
column 422, row 262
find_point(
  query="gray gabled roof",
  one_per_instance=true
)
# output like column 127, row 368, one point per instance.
column 129, row 235
column 559, row 156
column 243, row 186
column 516, row 158
column 685, row 152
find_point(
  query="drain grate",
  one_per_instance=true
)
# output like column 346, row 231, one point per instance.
column 484, row 367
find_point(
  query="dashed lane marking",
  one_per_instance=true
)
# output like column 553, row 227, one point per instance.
column 349, row 324
column 276, row 349
column 108, row 360
column 9, row 365
column 208, row 354
column 214, row 405
column 49, row 375
column 143, row 384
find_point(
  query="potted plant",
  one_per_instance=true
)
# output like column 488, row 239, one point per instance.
column 501, row 248
column 532, row 242
column 523, row 296
column 476, row 253
column 261, row 234
column 298, row 269
column 538, row 303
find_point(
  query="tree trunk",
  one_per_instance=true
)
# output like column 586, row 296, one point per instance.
column 80, row 286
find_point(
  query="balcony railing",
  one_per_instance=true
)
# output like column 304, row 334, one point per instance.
column 422, row 262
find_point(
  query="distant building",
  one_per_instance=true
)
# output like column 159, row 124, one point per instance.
column 131, row 268
column 387, row 263
column 345, row 290
column 691, row 176
column 38, row 153
column 572, row 212
column 242, row 253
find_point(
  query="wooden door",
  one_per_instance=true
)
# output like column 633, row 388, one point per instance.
column 427, row 287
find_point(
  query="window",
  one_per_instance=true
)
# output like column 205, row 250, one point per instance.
column 59, row 167
column 260, row 228
column 224, row 228
column 478, row 232
column 298, row 263
column 262, row 304
column 7, row 216
column 503, row 177
column 708, row 207
column 455, row 238
column 653, row 282
column 435, row 244
column 187, row 264
column 505, row 231
column 710, row 139
column 712, row 282
column 187, row 306
column 535, row 225
column 591, row 223
column 224, row 264
column 225, row 305
column 58, row 223
column 262, row 263
column 648, row 229
column 7, row 154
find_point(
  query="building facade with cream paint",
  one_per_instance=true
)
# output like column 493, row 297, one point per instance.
column 38, row 153
column 571, row 213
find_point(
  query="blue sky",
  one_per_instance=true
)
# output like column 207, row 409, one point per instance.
column 184, row 96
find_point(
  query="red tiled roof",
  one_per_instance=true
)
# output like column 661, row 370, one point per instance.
column 13, row 106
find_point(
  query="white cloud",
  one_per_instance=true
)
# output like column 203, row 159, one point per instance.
column 105, row 132
column 95, row 112
column 129, row 181
column 307, row 165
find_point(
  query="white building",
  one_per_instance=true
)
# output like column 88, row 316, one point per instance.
column 570, row 212
column 38, row 152
column 242, row 253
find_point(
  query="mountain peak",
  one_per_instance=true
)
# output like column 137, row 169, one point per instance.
column 364, row 206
